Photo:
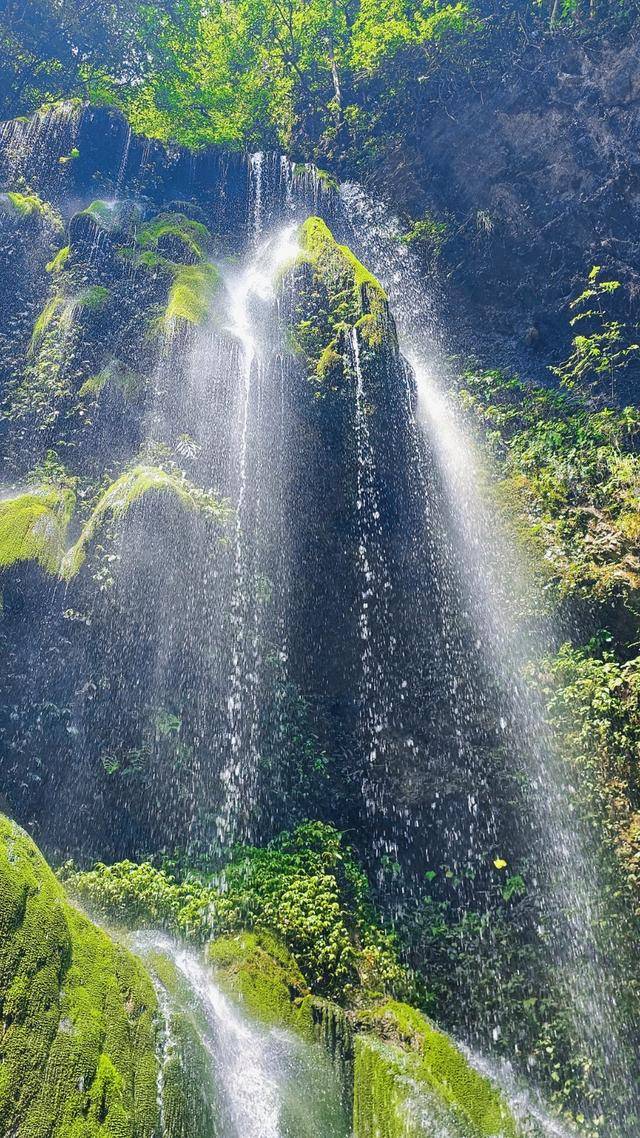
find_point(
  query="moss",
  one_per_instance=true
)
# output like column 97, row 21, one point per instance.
column 64, row 159
column 93, row 297
column 169, row 233
column 60, row 260
column 29, row 207
column 258, row 969
column 403, row 1056
column 78, row 1047
column 122, row 494
column 58, row 309
column 33, row 527
column 333, row 260
column 25, row 205
column 322, row 178
column 115, row 375
column 189, row 1094
column 106, row 215
column 341, row 294
column 190, row 295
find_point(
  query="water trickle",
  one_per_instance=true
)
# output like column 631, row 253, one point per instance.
column 256, row 166
column 255, row 283
column 375, row 588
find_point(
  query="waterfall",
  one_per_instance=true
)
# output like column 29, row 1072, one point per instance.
column 354, row 611
column 497, row 589
column 254, row 283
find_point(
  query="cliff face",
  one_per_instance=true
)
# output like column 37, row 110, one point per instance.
column 213, row 501
column 532, row 172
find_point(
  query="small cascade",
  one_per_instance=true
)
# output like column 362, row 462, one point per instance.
column 39, row 142
column 122, row 169
column 255, row 283
column 375, row 586
column 252, row 1081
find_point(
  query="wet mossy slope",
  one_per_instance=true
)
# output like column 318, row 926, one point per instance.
column 77, row 1050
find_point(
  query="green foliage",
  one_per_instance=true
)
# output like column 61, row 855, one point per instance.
column 384, row 28
column 415, row 1060
column 249, row 73
column 113, row 375
column 427, row 232
column 602, row 350
column 306, row 886
column 487, row 962
column 594, row 708
column 569, row 478
column 78, row 1047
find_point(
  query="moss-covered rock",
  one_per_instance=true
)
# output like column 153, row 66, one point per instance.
column 190, row 1106
column 116, row 501
column 404, row 1068
column 258, row 969
column 190, row 295
column 335, row 294
column 174, row 236
column 28, row 206
column 33, row 527
column 77, row 1051
column 406, row 1072
column 59, row 262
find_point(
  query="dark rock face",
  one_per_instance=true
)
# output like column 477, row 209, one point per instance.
column 536, row 175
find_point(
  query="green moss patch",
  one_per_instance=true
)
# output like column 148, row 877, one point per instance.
column 174, row 235
column 128, row 489
column 190, row 295
column 57, row 263
column 338, row 294
column 259, row 970
column 29, row 207
column 33, row 527
column 77, row 1051
column 399, row 1056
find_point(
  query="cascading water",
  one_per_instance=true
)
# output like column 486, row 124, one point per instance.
column 254, row 284
column 252, row 1081
column 579, row 937
column 358, row 582
column 375, row 589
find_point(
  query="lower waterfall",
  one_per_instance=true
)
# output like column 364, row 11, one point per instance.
column 248, row 1080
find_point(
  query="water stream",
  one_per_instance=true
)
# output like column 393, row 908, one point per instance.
column 248, row 1080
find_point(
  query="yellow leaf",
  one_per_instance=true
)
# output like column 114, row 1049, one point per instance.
column 500, row 863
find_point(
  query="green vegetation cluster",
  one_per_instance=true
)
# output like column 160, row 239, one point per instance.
column 339, row 295
column 306, row 886
column 569, row 477
column 264, row 72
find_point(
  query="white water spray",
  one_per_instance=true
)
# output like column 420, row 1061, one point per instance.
column 498, row 590
column 254, row 284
